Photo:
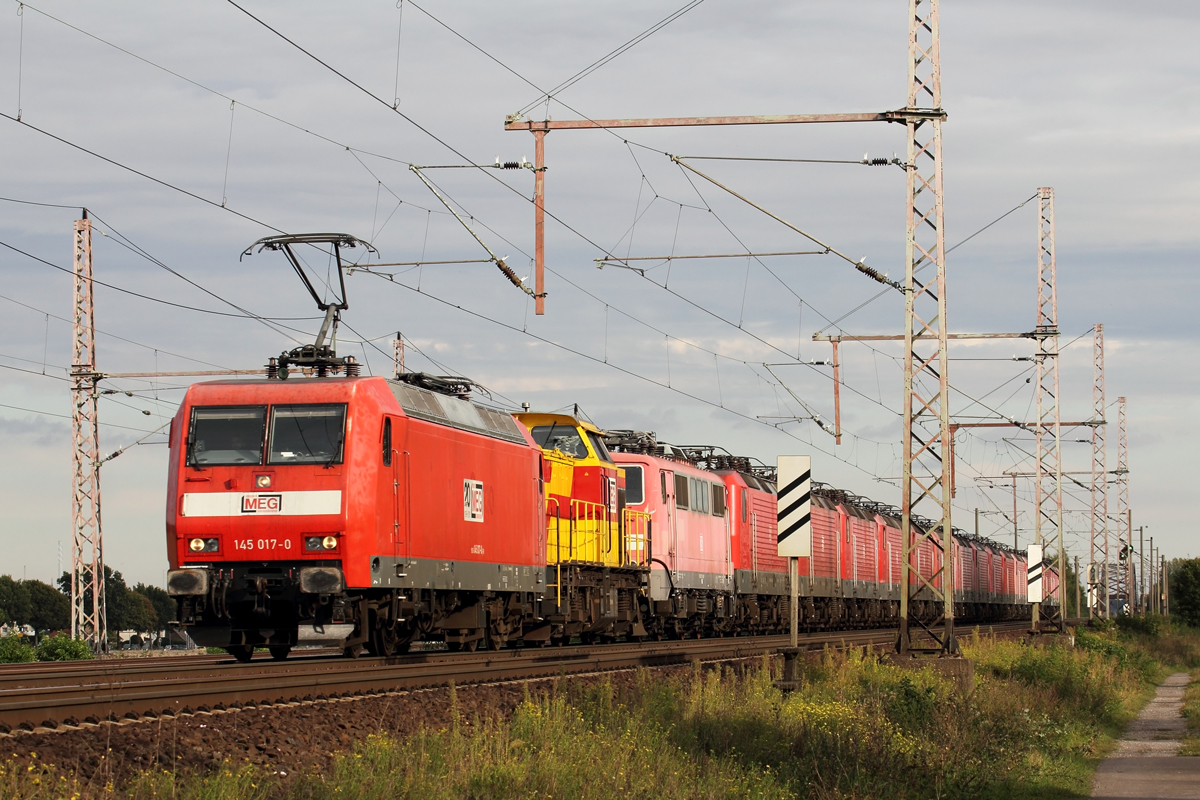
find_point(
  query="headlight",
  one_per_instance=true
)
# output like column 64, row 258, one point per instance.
column 196, row 545
column 320, row 543
column 204, row 545
column 262, row 481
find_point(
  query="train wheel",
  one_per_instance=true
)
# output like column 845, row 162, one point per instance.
column 386, row 642
column 242, row 652
column 280, row 651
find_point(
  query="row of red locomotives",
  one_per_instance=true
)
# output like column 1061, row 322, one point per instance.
column 371, row 514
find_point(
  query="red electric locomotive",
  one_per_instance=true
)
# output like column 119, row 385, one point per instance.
column 351, row 511
column 691, row 570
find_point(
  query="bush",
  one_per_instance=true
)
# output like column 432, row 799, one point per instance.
column 1185, row 590
column 15, row 650
column 62, row 647
column 1148, row 625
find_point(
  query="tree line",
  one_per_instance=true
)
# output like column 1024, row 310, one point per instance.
column 45, row 608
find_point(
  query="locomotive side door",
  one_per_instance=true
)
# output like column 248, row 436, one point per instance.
column 395, row 459
column 667, row 479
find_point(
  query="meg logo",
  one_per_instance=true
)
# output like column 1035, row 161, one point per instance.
column 262, row 503
column 473, row 501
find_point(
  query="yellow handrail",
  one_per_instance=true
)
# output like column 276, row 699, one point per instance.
column 637, row 538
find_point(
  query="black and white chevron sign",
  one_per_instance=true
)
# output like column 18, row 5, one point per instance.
column 1034, row 573
column 793, row 505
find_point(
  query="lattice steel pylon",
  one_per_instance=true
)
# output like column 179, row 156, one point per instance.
column 925, row 604
column 1098, row 553
column 88, row 608
column 1124, row 533
column 1048, row 468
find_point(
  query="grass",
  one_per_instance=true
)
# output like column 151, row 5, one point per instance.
column 1036, row 724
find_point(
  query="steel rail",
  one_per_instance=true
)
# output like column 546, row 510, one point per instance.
column 15, row 676
column 67, row 697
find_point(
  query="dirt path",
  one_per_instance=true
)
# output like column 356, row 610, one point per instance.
column 1145, row 764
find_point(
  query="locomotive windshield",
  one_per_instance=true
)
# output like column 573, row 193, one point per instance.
column 308, row 434
column 563, row 438
column 224, row 436
column 598, row 446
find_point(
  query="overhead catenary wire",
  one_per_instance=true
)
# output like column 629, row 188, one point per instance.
column 68, row 416
column 124, row 241
column 113, row 335
column 626, row 371
column 612, row 54
column 700, row 308
column 138, row 172
column 358, row 86
column 130, row 291
column 859, row 264
column 195, row 196
column 639, row 145
column 210, row 202
column 949, row 250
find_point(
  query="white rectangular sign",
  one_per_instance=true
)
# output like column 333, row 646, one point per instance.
column 793, row 506
column 472, row 500
column 238, row 504
column 1034, row 568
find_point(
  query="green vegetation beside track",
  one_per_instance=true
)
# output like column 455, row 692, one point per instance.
column 1036, row 724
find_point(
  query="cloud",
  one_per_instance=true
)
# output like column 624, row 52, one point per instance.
column 1028, row 108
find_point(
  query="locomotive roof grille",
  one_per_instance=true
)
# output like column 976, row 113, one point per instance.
column 455, row 412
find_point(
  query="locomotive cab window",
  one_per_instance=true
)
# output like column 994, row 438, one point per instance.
column 387, row 441
column 634, row 493
column 226, row 436
column 599, row 446
column 308, row 434
column 563, row 438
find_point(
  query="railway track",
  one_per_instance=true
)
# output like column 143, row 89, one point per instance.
column 88, row 694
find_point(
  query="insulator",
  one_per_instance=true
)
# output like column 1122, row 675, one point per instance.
column 872, row 273
column 272, row 368
column 512, row 276
column 512, row 165
column 879, row 162
column 352, row 367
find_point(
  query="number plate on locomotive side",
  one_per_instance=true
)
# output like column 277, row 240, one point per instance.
column 268, row 545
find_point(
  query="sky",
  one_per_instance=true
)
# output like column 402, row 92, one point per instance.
column 190, row 130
